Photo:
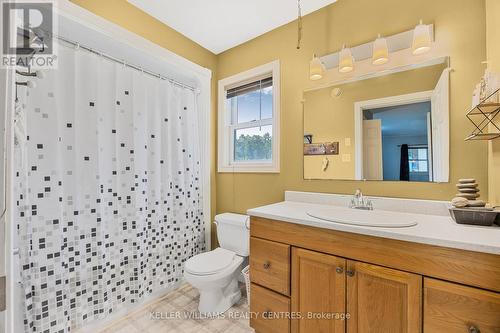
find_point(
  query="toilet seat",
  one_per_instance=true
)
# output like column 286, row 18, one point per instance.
column 209, row 263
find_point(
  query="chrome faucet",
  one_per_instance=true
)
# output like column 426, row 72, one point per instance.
column 358, row 201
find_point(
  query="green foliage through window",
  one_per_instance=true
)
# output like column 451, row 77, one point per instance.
column 253, row 147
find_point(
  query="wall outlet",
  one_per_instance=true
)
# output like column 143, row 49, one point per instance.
column 346, row 157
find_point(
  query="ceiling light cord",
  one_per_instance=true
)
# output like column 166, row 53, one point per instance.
column 299, row 25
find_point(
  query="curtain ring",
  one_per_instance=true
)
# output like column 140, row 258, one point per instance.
column 77, row 46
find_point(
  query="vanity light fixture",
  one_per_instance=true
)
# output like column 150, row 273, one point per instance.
column 380, row 51
column 421, row 39
column 315, row 69
column 346, row 60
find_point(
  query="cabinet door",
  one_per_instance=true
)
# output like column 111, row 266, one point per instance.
column 382, row 300
column 453, row 308
column 318, row 292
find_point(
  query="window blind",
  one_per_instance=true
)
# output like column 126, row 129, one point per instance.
column 249, row 87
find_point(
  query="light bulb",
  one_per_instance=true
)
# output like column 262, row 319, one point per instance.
column 346, row 60
column 315, row 69
column 380, row 51
column 421, row 39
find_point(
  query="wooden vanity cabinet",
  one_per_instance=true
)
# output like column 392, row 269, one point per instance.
column 336, row 282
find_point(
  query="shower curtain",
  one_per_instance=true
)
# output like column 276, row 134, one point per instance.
column 404, row 166
column 108, row 188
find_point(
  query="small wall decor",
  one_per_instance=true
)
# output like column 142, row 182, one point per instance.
column 325, row 164
column 326, row 148
column 468, row 209
column 468, row 194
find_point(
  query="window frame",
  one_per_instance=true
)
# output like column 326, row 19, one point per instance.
column 418, row 160
column 226, row 162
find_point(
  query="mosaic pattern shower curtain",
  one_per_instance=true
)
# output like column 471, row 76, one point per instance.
column 108, row 188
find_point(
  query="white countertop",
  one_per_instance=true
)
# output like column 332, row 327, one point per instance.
column 438, row 230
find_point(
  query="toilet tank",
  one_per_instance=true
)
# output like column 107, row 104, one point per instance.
column 233, row 232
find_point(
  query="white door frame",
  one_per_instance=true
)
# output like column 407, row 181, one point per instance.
column 359, row 107
column 371, row 124
column 430, row 150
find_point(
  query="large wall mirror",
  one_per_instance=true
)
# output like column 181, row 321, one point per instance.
column 392, row 127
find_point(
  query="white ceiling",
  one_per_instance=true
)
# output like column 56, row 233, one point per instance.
column 219, row 25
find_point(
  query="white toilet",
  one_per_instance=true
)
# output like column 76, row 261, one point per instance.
column 215, row 273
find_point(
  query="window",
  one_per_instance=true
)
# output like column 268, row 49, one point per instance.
column 249, row 121
column 418, row 159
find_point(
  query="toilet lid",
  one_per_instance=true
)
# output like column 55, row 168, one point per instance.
column 210, row 262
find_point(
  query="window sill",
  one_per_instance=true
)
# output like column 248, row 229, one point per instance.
column 254, row 168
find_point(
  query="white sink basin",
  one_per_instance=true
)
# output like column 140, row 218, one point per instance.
column 366, row 218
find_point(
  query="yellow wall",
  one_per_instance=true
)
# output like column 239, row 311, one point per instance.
column 332, row 119
column 460, row 23
column 131, row 18
column 493, row 50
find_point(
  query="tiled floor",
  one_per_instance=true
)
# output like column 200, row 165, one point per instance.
column 172, row 314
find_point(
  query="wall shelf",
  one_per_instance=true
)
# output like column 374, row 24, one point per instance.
column 482, row 116
column 482, row 136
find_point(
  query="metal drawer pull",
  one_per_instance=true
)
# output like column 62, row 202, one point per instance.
column 474, row 329
column 267, row 265
column 339, row 270
column 350, row 273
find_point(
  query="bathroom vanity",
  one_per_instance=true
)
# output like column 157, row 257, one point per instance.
column 316, row 275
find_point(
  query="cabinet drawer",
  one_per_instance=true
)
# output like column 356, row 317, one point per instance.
column 454, row 308
column 270, row 265
column 270, row 311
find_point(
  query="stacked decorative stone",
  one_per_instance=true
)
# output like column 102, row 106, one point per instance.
column 468, row 194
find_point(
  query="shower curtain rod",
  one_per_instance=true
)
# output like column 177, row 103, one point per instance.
column 416, row 145
column 120, row 61
column 123, row 62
